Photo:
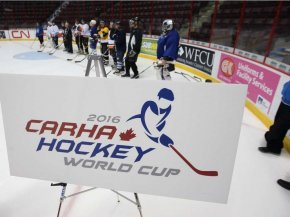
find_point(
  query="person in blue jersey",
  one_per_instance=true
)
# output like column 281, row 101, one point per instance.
column 279, row 129
column 39, row 34
column 167, row 50
column 120, row 41
column 94, row 35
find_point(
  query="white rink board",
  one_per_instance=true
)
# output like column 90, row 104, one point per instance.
column 204, row 123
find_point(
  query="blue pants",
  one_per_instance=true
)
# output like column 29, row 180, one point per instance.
column 120, row 59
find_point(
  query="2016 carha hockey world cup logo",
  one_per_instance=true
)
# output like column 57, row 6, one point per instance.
column 105, row 140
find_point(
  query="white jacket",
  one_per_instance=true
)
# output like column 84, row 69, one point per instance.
column 54, row 30
column 85, row 30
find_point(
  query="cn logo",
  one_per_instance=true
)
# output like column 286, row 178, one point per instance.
column 228, row 67
column 20, row 34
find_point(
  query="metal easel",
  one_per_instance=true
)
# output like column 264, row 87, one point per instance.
column 100, row 72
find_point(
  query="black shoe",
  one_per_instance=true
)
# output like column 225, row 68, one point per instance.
column 135, row 77
column 268, row 150
column 125, row 76
column 284, row 184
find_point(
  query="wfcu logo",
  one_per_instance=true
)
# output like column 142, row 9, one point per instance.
column 94, row 153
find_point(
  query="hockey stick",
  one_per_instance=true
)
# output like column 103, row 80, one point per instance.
column 192, row 77
column 145, row 69
column 32, row 43
column 180, row 73
column 62, row 196
column 78, row 61
column 200, row 172
column 71, row 59
column 43, row 47
column 55, row 49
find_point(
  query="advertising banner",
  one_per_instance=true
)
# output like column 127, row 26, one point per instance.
column 262, row 83
column 176, row 139
column 196, row 57
column 20, row 34
column 149, row 46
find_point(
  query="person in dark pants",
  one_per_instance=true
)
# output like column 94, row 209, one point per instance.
column 134, row 48
column 103, row 34
column 120, row 41
column 77, row 34
column 67, row 37
column 54, row 32
column 39, row 34
column 85, row 35
column 62, row 24
column 278, row 130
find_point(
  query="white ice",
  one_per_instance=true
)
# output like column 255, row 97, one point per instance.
column 254, row 192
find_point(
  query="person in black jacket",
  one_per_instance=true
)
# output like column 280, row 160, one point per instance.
column 67, row 37
column 120, row 41
column 134, row 47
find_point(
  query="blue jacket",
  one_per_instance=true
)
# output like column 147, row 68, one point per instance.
column 286, row 93
column 93, row 32
column 168, row 45
column 39, row 31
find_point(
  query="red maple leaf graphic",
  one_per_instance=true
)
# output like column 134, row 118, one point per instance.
column 128, row 135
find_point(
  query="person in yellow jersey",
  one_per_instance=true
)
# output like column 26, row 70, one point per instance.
column 103, row 33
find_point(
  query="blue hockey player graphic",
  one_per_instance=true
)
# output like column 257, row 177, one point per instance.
column 153, row 118
column 161, row 110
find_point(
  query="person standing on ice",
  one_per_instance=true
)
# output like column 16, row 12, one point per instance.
column 134, row 48
column 39, row 34
column 54, row 34
column 167, row 50
column 67, row 37
column 94, row 35
column 85, row 34
column 49, row 29
column 120, row 42
column 279, row 129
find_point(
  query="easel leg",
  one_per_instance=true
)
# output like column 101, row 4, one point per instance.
column 62, row 196
column 138, row 204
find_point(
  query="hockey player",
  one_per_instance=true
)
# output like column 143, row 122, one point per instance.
column 120, row 42
column 62, row 25
column 103, row 33
column 85, row 34
column 39, row 34
column 77, row 34
column 134, row 47
column 167, row 50
column 54, row 34
column 49, row 29
column 111, row 43
column 94, row 35
column 67, row 38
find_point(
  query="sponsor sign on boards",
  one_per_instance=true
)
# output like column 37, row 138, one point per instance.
column 196, row 57
column 262, row 83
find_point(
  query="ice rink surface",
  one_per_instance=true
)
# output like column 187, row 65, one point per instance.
column 254, row 192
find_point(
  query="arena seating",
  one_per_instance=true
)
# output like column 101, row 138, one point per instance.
column 25, row 13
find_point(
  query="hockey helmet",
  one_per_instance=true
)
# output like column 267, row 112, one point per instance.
column 93, row 23
column 167, row 25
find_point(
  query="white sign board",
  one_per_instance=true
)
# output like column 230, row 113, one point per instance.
column 172, row 139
